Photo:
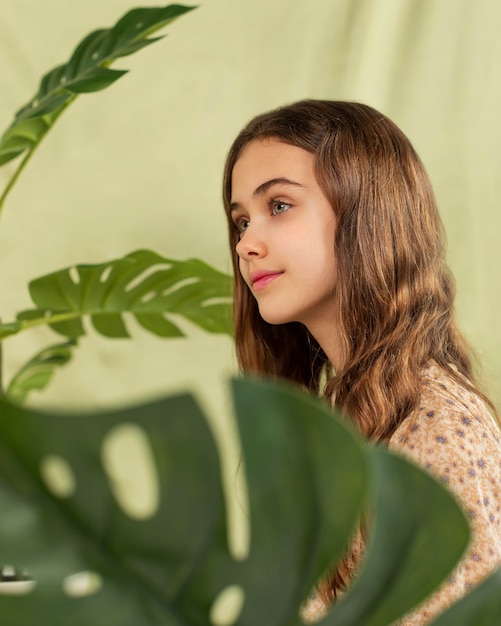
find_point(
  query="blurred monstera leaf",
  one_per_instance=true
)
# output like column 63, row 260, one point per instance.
column 143, row 283
column 170, row 563
column 86, row 71
column 38, row 371
column 308, row 478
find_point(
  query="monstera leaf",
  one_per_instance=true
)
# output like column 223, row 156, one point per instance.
column 86, row 71
column 143, row 283
column 403, row 565
column 168, row 563
column 38, row 371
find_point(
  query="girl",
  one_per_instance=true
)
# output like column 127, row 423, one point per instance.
column 338, row 254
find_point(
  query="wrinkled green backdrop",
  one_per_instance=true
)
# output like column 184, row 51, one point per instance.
column 140, row 164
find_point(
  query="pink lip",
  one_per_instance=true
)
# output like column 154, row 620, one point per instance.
column 261, row 278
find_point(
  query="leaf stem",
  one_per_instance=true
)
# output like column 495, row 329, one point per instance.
column 1, row 371
column 27, row 158
column 53, row 319
column 39, row 321
column 15, row 176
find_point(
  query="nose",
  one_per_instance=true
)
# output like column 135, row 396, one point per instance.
column 251, row 245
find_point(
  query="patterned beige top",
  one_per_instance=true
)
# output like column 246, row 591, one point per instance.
column 454, row 436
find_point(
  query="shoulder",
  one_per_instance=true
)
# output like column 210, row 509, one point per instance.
column 451, row 425
column 453, row 436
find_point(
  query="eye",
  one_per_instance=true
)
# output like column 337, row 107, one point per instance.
column 278, row 206
column 242, row 224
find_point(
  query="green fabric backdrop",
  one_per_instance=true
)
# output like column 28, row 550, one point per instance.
column 140, row 164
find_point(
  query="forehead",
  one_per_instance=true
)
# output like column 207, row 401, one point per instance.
column 265, row 159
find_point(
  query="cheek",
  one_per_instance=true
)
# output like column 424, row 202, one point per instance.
column 243, row 271
column 322, row 263
column 319, row 246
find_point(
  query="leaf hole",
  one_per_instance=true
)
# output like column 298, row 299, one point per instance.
column 106, row 274
column 216, row 301
column 95, row 55
column 82, row 584
column 139, row 25
column 128, row 461
column 58, row 476
column 226, row 608
column 238, row 517
column 145, row 274
column 63, row 80
column 74, row 275
column 148, row 297
column 35, row 102
column 15, row 582
column 8, row 573
column 180, row 285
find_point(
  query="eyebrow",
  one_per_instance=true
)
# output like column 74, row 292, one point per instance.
column 263, row 188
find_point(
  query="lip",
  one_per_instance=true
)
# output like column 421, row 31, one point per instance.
column 261, row 278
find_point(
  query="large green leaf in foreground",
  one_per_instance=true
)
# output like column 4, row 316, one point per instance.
column 307, row 477
column 143, row 283
column 170, row 567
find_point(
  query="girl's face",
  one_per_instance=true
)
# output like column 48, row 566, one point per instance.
column 287, row 228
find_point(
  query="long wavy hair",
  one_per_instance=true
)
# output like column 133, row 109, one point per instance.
column 394, row 291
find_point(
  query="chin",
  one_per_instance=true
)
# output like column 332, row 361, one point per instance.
column 275, row 318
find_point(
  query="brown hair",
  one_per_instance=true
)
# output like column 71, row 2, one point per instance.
column 394, row 291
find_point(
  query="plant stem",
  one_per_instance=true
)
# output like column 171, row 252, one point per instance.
column 15, row 176
column 22, row 325
column 1, row 370
column 52, row 117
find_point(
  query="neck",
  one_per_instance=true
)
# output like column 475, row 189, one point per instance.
column 328, row 338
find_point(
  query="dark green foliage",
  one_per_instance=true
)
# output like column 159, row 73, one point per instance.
column 308, row 478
